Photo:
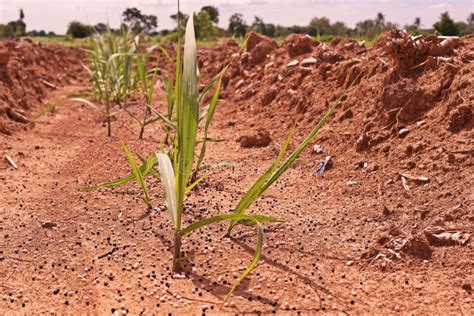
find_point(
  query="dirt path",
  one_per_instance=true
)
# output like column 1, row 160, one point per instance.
column 69, row 251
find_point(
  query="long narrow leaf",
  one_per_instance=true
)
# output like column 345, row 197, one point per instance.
column 272, row 175
column 253, row 263
column 49, row 108
column 193, row 185
column 145, row 168
column 168, row 182
column 224, row 217
column 257, row 219
column 187, row 116
column 210, row 115
column 137, row 173
column 254, row 191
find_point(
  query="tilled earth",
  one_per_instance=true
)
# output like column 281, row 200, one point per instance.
column 387, row 229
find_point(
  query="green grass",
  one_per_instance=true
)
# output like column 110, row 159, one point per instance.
column 61, row 40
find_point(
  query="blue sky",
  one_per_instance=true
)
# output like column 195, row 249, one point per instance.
column 54, row 15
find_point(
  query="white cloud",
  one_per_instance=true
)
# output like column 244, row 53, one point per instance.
column 437, row 6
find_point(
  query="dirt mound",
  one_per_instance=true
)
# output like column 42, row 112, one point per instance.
column 297, row 44
column 400, row 81
column 27, row 72
column 409, row 110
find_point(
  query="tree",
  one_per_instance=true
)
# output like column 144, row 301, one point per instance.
column 366, row 28
column 320, row 26
column 18, row 27
column 470, row 23
column 22, row 15
column 182, row 18
column 339, row 29
column 417, row 22
column 259, row 26
column 446, row 25
column 213, row 13
column 79, row 30
column 100, row 28
column 415, row 27
column 380, row 21
column 463, row 28
column 6, row 30
column 203, row 25
column 237, row 25
column 139, row 22
column 271, row 29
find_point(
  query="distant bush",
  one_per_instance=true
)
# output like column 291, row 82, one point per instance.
column 446, row 25
column 35, row 33
column 79, row 30
column 6, row 30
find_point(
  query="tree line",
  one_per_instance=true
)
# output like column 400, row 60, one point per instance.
column 207, row 19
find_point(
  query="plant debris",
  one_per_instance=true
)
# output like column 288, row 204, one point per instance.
column 448, row 237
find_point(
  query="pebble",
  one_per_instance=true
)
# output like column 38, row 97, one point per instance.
column 403, row 132
column 317, row 149
column 293, row 63
column 308, row 61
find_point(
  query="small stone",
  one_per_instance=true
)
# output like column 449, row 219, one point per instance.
column 317, row 149
column 308, row 61
column 467, row 287
column 268, row 96
column 259, row 139
column 386, row 211
column 402, row 133
column 292, row 63
column 451, row 158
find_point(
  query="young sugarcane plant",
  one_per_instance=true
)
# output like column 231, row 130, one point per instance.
column 207, row 112
column 111, row 73
column 175, row 175
column 111, row 69
column 146, row 82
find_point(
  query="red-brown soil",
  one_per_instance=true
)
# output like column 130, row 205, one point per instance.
column 360, row 238
column 27, row 72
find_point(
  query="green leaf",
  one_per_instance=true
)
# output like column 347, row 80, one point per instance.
column 193, row 185
column 210, row 115
column 272, row 174
column 145, row 168
column 256, row 189
column 165, row 120
column 253, row 263
column 224, row 217
column 133, row 116
column 89, row 103
column 49, row 108
column 187, row 117
column 165, row 52
column 137, row 173
column 257, row 219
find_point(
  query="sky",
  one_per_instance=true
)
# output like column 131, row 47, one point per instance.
column 55, row 15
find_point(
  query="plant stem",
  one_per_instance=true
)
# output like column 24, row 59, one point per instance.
column 142, row 129
column 107, row 113
column 109, row 128
column 177, row 252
